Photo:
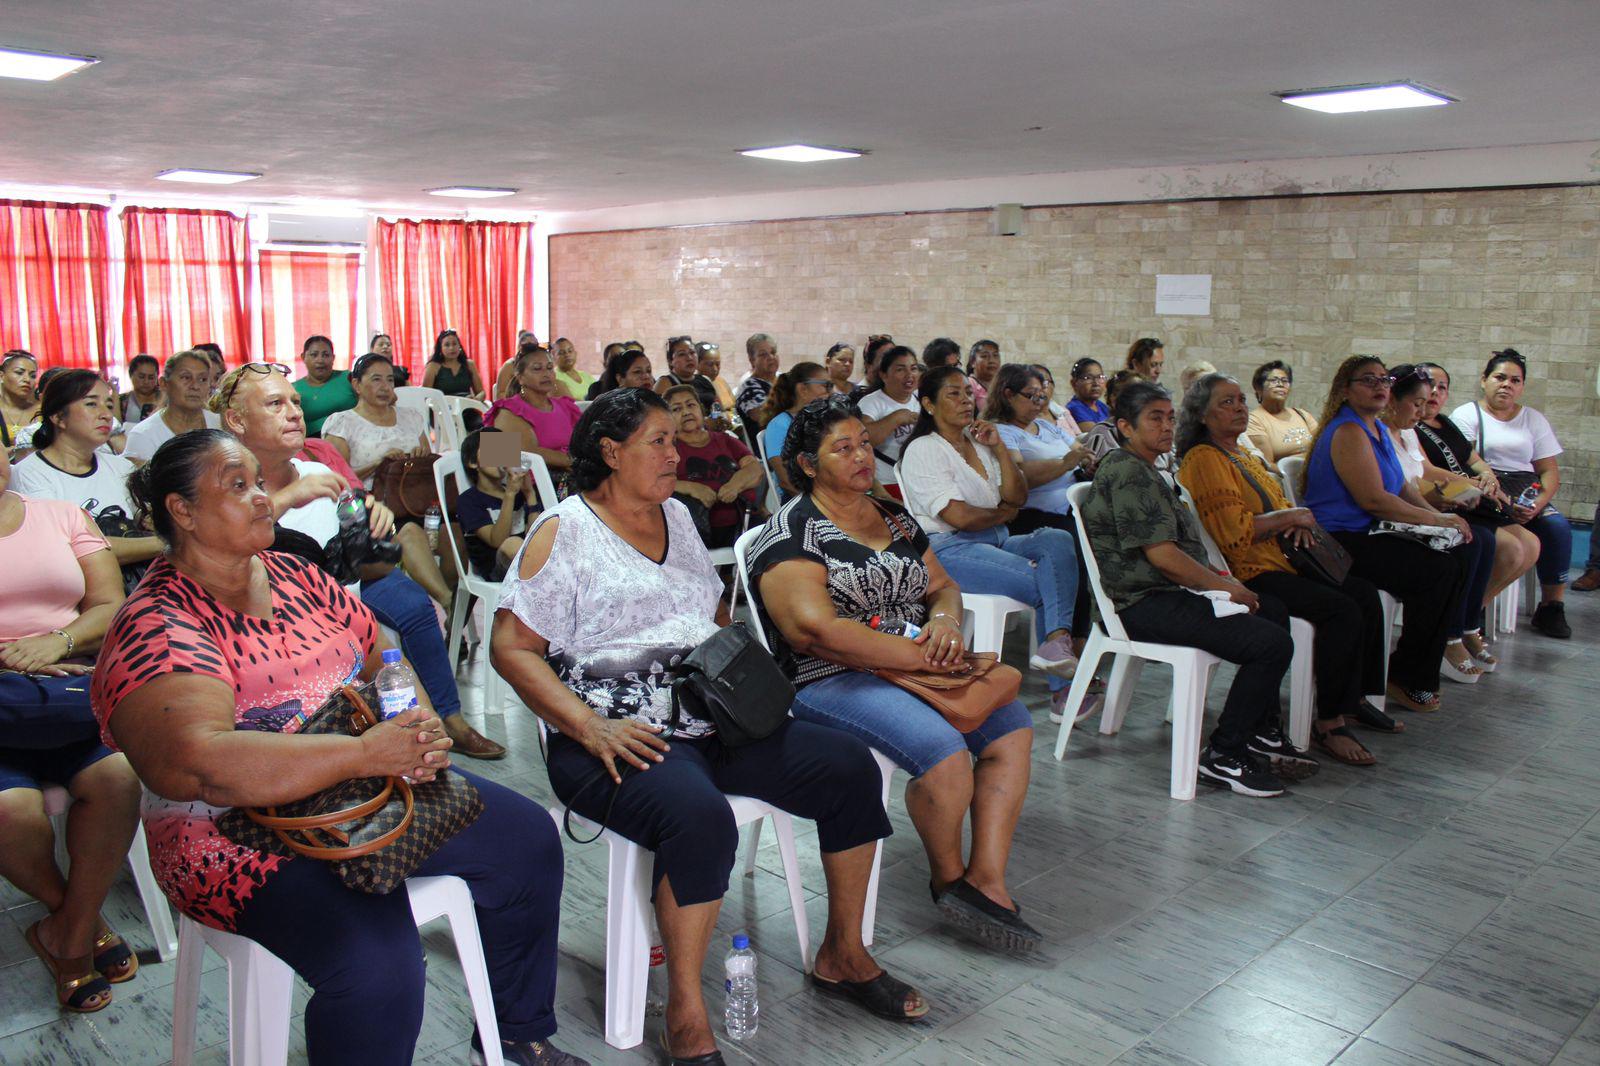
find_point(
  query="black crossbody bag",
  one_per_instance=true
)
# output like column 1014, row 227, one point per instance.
column 1324, row 559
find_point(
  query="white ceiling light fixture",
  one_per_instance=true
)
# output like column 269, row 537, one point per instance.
column 1348, row 99
column 207, row 177
column 802, row 153
column 40, row 66
column 471, row 192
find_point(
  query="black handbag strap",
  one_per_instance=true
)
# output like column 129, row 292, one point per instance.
column 605, row 819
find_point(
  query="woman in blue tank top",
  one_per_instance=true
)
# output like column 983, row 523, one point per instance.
column 1353, row 480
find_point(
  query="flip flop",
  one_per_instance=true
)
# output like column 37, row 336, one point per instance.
column 1320, row 739
column 72, row 993
column 884, row 996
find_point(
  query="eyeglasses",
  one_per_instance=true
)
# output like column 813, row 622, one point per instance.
column 1374, row 381
column 1275, row 381
column 264, row 369
column 1035, row 395
column 1090, row 377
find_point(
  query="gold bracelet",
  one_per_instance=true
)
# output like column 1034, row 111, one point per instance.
column 70, row 642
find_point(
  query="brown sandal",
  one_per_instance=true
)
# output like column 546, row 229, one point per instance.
column 83, row 994
column 1320, row 737
column 114, row 958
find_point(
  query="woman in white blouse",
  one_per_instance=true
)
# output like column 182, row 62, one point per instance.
column 1517, row 440
column 376, row 428
column 962, row 485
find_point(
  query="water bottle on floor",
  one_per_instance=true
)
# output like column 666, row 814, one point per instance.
column 655, row 987
column 397, row 685
column 743, row 1012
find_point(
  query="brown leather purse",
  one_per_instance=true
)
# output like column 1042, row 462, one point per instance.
column 375, row 831
column 966, row 697
column 405, row 485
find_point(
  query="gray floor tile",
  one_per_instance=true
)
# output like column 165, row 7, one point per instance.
column 1321, row 984
column 1231, row 1027
column 1438, row 1028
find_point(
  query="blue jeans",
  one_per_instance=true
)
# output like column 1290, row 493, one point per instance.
column 898, row 724
column 399, row 603
column 1038, row 568
column 1555, row 546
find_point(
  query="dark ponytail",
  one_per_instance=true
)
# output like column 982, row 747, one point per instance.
column 175, row 468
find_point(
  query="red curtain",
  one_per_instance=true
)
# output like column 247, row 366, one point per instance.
column 473, row 277
column 187, row 281
column 306, row 293
column 55, row 281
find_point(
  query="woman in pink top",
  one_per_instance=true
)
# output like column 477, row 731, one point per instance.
column 537, row 409
column 53, row 615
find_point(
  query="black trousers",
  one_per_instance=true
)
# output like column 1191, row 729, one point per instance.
column 1430, row 584
column 678, row 809
column 1347, row 656
column 1259, row 643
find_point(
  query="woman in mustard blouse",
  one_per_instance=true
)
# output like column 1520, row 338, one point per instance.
column 1243, row 507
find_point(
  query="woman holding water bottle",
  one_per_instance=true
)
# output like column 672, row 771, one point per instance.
column 209, row 672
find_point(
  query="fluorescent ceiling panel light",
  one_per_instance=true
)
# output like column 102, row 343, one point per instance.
column 207, row 177
column 1346, row 99
column 471, row 192
column 39, row 66
column 800, row 153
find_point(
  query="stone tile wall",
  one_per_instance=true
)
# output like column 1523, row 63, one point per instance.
column 1444, row 276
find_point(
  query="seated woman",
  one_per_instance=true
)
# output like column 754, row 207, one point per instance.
column 1277, row 430
column 210, row 669
column 1146, row 357
column 711, row 370
column 1152, row 563
column 1516, row 548
column 260, row 407
column 1518, row 443
column 1352, row 481
column 891, row 410
column 378, row 429
column 1102, row 438
column 841, row 363
column 715, row 470
column 144, row 392
column 449, row 369
column 1047, row 455
column 1087, row 405
column 983, row 363
column 683, row 368
column 71, row 465
column 19, row 396
column 627, row 368
column 186, row 386
column 826, row 564
column 494, row 511
column 1408, row 399
column 962, row 486
column 1243, row 507
column 795, row 388
column 323, row 390
column 599, row 677
column 537, row 410
column 55, row 612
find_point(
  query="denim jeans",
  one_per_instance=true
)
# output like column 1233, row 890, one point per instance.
column 399, row 603
column 889, row 718
column 1555, row 546
column 1038, row 568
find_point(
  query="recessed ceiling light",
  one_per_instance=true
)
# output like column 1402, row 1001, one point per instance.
column 1345, row 99
column 801, row 153
column 471, row 192
column 207, row 177
column 40, row 66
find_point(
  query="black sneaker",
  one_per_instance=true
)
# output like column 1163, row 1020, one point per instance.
column 1284, row 759
column 1551, row 620
column 1242, row 773
column 527, row 1053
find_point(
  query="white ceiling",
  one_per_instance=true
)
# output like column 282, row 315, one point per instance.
column 596, row 103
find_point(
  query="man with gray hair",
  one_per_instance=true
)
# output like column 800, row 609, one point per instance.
column 763, row 353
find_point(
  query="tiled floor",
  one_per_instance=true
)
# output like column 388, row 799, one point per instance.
column 1443, row 907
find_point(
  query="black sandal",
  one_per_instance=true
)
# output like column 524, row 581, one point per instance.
column 1370, row 717
column 1319, row 737
column 969, row 908
column 710, row 1058
column 884, row 996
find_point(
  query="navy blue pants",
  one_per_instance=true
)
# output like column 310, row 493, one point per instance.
column 362, row 956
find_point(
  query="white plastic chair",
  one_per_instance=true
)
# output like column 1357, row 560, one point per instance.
column 56, row 802
column 441, row 420
column 886, row 766
column 772, row 501
column 261, row 985
column 1191, row 673
column 469, row 585
column 1302, row 680
column 1290, row 469
column 458, row 406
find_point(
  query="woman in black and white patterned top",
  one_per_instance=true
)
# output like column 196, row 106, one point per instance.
column 612, row 588
column 826, row 564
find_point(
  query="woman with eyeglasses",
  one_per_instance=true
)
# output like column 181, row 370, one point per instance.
column 449, row 369
column 1277, row 430
column 1521, row 448
column 186, row 384
column 1047, row 455
column 19, row 399
column 841, row 363
column 323, row 390
column 1087, row 407
column 1353, row 480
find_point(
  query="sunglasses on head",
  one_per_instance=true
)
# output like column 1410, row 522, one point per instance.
column 264, row 369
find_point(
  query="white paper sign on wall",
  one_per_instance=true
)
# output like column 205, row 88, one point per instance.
column 1183, row 294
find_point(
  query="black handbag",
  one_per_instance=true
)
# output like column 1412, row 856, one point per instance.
column 373, row 832
column 1512, row 482
column 1324, row 559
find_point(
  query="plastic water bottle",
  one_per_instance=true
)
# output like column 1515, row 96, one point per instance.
column 908, row 630
column 655, row 996
column 397, row 685
column 431, row 521
column 743, row 1013
column 1529, row 494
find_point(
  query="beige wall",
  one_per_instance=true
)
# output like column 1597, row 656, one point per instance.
column 1441, row 276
